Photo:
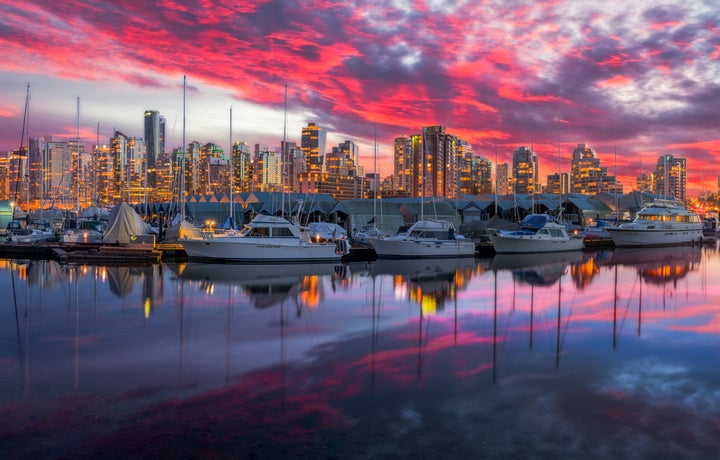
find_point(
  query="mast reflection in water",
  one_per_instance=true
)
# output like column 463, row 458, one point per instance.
column 610, row 354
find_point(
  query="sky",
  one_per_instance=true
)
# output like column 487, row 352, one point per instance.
column 633, row 79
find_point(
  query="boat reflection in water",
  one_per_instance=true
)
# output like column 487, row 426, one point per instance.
column 429, row 282
column 544, row 269
column 659, row 265
column 264, row 284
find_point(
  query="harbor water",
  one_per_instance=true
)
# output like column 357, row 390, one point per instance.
column 609, row 354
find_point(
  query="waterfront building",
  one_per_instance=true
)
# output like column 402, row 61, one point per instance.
column 313, row 146
column 242, row 167
column 154, row 143
column 435, row 163
column 502, row 179
column 671, row 177
column 587, row 175
column 558, row 184
column 645, row 182
column 403, row 165
column 524, row 169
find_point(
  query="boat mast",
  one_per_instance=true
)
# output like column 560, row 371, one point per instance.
column 559, row 173
column 20, row 152
column 77, row 159
column 232, row 178
column 282, row 158
column 617, row 219
column 375, row 179
column 182, row 157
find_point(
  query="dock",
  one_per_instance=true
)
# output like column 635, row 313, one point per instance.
column 88, row 253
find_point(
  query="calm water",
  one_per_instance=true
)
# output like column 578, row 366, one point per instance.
column 612, row 354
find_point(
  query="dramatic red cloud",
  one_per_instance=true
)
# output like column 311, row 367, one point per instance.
column 366, row 68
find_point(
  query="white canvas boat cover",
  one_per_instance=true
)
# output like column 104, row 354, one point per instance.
column 124, row 225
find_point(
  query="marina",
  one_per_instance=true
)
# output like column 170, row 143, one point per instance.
column 386, row 359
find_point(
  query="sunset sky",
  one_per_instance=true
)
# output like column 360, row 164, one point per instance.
column 640, row 77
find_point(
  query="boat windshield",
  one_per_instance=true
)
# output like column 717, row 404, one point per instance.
column 533, row 222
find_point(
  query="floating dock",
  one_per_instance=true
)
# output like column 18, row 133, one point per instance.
column 86, row 252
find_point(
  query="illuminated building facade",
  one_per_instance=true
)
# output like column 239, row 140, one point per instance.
column 558, row 183
column 671, row 177
column 154, row 143
column 435, row 165
column 403, row 165
column 524, row 167
column 503, row 180
column 587, row 175
column 313, row 146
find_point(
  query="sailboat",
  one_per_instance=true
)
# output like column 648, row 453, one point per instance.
column 265, row 239
column 426, row 238
column 88, row 230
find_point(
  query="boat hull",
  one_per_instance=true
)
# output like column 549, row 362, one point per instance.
column 624, row 238
column 243, row 249
column 391, row 248
column 528, row 244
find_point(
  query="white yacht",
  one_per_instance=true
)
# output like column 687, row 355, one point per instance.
column 265, row 238
column 424, row 239
column 663, row 223
column 537, row 233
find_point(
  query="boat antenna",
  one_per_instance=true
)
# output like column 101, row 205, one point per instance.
column 182, row 157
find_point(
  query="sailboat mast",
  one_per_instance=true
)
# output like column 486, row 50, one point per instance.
column 78, row 160
column 375, row 179
column 559, row 173
column 20, row 155
column 182, row 158
column 232, row 176
column 282, row 158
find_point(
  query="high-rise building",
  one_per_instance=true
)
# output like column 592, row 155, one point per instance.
column 313, row 146
column 154, row 143
column 587, row 175
column 403, row 165
column 435, row 163
column 524, row 168
column 242, row 167
column 671, row 177
column 482, row 171
column 502, row 179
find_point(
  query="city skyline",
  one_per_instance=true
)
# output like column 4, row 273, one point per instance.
column 637, row 78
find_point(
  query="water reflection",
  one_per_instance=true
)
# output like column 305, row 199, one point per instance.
column 364, row 359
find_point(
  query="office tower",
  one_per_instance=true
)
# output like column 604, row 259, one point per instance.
column 671, row 177
column 587, row 175
column 502, row 179
column 435, row 163
column 403, row 165
column 524, row 168
column 154, row 143
column 645, row 183
column 313, row 146
column 242, row 167
column 482, row 172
